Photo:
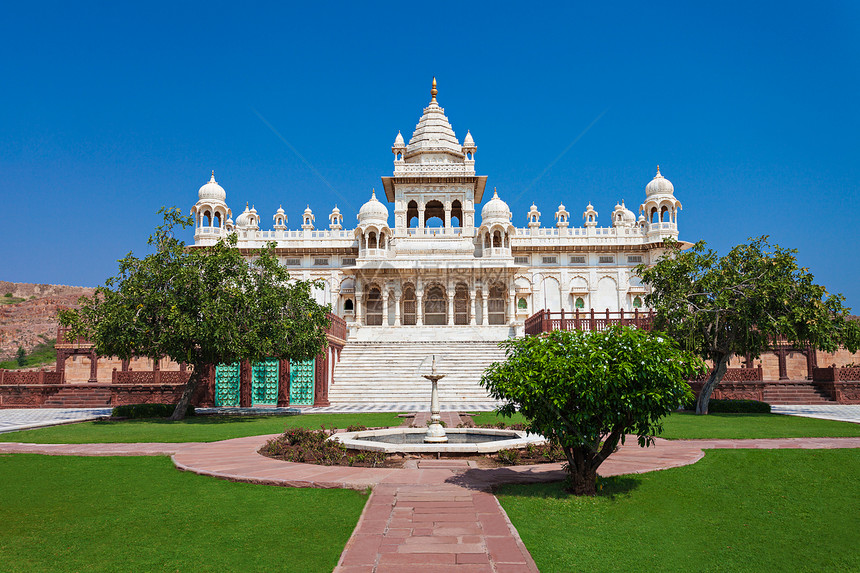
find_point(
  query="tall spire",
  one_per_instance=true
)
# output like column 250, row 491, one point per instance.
column 433, row 91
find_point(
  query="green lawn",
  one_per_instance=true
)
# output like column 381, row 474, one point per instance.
column 735, row 510
column 683, row 425
column 193, row 429
column 687, row 426
column 492, row 418
column 62, row 513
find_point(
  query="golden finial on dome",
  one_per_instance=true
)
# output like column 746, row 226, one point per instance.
column 658, row 172
column 433, row 91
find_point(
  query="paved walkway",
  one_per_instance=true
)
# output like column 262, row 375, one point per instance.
column 14, row 419
column 840, row 412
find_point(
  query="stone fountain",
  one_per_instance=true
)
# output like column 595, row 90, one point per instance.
column 435, row 431
column 435, row 440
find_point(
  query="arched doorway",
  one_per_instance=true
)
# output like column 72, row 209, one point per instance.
column 373, row 306
column 461, row 304
column 435, row 306
column 496, row 305
column 408, row 311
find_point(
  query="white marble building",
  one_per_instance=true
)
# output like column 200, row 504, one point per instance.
column 435, row 265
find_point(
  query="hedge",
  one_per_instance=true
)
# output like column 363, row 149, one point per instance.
column 147, row 411
column 721, row 406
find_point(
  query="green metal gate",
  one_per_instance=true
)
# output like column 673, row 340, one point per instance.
column 302, row 382
column 227, row 384
column 264, row 382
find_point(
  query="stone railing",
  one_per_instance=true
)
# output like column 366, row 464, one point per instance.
column 736, row 375
column 337, row 329
column 150, row 377
column 13, row 377
column 546, row 320
column 832, row 374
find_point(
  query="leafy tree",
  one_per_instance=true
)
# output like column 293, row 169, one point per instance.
column 200, row 305
column 720, row 307
column 21, row 357
column 586, row 390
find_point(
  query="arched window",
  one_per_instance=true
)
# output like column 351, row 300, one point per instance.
column 579, row 302
column 522, row 304
column 637, row 302
column 497, row 239
column 348, row 305
column 373, row 307
column 207, row 219
column 371, row 240
column 435, row 306
column 663, row 212
column 434, row 210
column 456, row 213
column 217, row 219
column 496, row 305
column 412, row 213
column 409, row 316
column 653, row 214
column 461, row 304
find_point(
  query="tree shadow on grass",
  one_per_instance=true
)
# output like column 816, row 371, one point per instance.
column 190, row 421
column 607, row 487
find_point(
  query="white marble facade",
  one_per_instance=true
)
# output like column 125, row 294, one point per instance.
column 440, row 266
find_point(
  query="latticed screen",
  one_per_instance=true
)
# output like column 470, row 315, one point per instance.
column 227, row 384
column 435, row 307
column 409, row 312
column 461, row 306
column 302, row 382
column 264, row 382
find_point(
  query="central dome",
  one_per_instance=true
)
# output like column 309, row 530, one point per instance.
column 433, row 132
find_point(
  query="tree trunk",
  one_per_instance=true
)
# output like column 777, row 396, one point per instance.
column 714, row 379
column 581, row 475
column 187, row 393
column 583, row 483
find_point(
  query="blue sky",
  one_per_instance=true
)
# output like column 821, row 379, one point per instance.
column 110, row 111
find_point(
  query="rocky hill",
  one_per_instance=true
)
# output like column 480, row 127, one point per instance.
column 31, row 315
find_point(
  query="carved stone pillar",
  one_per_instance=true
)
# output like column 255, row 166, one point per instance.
column 811, row 362
column 359, row 314
column 450, row 308
column 484, row 318
column 447, row 217
column 512, row 296
column 783, row 369
column 419, row 308
column 421, row 218
column 472, row 295
column 94, row 367
column 397, row 295
column 321, row 381
column 385, row 307
column 61, row 365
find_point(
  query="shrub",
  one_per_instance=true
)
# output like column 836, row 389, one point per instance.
column 147, row 411
column 304, row 445
column 738, row 407
column 509, row 457
column 356, row 428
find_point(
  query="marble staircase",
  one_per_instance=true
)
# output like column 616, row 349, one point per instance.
column 391, row 372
